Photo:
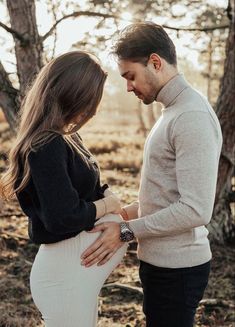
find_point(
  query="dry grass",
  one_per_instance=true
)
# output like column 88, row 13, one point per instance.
column 118, row 148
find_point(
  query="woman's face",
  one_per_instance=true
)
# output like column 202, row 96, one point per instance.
column 83, row 117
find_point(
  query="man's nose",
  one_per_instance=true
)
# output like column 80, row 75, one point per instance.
column 130, row 87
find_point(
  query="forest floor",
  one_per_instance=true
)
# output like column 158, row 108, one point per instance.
column 118, row 149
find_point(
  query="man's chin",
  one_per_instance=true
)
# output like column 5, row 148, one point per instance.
column 148, row 101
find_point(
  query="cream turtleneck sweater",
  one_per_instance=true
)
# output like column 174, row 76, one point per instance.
column 178, row 179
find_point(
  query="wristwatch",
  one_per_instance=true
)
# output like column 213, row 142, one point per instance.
column 126, row 234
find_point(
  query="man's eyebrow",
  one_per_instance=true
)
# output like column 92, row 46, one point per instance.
column 125, row 74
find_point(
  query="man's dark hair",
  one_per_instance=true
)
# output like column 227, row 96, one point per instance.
column 138, row 41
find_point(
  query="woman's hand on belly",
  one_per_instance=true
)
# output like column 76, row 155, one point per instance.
column 105, row 246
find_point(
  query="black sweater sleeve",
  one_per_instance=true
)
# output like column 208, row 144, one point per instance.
column 60, row 208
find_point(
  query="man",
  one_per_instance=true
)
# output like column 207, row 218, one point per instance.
column 178, row 182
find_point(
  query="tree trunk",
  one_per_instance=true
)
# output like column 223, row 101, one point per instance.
column 28, row 51
column 142, row 128
column 8, row 98
column 209, row 68
column 223, row 225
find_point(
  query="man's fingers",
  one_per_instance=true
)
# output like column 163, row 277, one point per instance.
column 96, row 254
column 91, row 261
column 106, row 258
column 92, row 248
column 97, row 228
column 107, row 241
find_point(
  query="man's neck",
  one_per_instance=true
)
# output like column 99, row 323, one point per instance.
column 170, row 73
column 167, row 76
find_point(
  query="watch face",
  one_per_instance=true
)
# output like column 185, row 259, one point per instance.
column 129, row 237
column 126, row 235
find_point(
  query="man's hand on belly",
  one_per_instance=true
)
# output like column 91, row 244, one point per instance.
column 105, row 246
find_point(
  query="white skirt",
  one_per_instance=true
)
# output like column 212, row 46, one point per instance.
column 64, row 291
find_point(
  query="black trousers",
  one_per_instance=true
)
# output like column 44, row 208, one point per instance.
column 171, row 296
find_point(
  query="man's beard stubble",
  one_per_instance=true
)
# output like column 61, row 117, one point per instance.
column 151, row 83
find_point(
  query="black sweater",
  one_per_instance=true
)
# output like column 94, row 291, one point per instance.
column 58, row 199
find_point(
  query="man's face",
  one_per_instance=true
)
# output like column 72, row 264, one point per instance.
column 142, row 80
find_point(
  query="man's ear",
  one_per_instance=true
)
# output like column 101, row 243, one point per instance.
column 156, row 61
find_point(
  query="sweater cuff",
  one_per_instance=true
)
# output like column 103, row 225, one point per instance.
column 139, row 228
column 91, row 217
column 104, row 187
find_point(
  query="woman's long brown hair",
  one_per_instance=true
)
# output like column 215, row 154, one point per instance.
column 63, row 97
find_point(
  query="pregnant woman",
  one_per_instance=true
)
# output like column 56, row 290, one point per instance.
column 57, row 183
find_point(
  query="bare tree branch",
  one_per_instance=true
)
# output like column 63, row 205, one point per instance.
column 97, row 14
column 217, row 302
column 134, row 289
column 14, row 33
column 75, row 14
column 53, row 8
column 197, row 29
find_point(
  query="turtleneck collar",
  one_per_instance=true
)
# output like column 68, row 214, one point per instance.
column 172, row 89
